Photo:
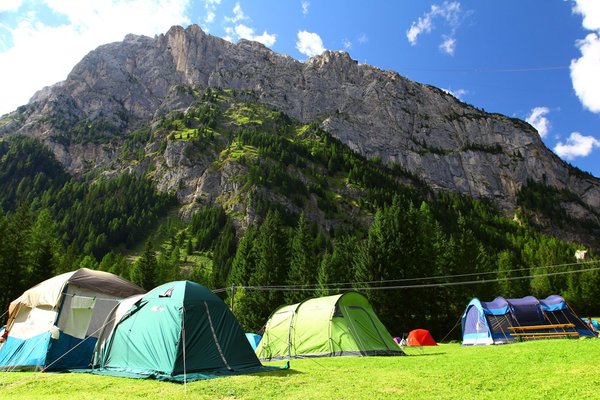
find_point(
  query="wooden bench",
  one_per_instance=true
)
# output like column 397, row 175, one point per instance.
column 545, row 335
column 552, row 331
column 540, row 327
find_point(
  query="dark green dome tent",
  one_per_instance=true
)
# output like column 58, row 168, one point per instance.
column 179, row 331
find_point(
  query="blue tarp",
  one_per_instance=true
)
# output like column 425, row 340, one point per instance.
column 24, row 352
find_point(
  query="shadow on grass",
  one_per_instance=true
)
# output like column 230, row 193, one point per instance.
column 427, row 354
column 280, row 373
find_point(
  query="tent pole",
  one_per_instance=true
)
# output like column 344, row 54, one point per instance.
column 184, row 366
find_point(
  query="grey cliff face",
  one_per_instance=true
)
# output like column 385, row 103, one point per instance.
column 446, row 143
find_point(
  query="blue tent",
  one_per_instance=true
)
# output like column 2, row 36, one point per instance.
column 254, row 340
column 594, row 323
column 488, row 322
column 55, row 324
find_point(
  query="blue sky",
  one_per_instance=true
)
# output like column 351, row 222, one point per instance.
column 538, row 60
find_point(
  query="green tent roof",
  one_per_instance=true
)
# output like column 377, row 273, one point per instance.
column 179, row 330
column 343, row 324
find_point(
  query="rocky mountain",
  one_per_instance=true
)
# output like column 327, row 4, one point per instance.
column 121, row 90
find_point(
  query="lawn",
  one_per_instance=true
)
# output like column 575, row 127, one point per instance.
column 548, row 369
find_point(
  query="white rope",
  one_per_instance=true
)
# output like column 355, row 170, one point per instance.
column 77, row 345
column 450, row 331
column 352, row 285
column 293, row 288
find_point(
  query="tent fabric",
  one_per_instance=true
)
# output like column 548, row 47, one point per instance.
column 179, row 330
column 55, row 324
column 420, row 337
column 339, row 325
column 253, row 339
column 485, row 323
column 111, row 321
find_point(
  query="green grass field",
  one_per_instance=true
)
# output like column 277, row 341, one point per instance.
column 548, row 369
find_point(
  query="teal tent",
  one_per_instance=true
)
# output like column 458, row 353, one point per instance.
column 178, row 331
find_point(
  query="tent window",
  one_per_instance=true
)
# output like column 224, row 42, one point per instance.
column 337, row 312
column 79, row 316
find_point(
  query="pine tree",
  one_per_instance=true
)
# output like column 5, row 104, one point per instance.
column 272, row 262
column 223, row 253
column 303, row 263
column 337, row 267
column 244, row 261
column 5, row 265
column 511, row 266
column 43, row 247
column 144, row 271
column 17, row 254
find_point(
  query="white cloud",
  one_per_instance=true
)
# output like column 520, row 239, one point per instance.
column 309, row 43
column 448, row 45
column 59, row 48
column 576, row 146
column 537, row 119
column 211, row 7
column 10, row 5
column 362, row 39
column 584, row 70
column 590, row 10
column 305, row 5
column 422, row 25
column 238, row 14
column 347, row 44
column 448, row 12
column 210, row 17
column 458, row 93
column 243, row 31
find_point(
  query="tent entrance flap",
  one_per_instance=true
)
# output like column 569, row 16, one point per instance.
column 364, row 320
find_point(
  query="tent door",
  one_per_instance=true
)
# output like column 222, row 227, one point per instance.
column 361, row 317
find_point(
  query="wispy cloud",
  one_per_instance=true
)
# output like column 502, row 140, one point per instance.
column 309, row 43
column 458, row 93
column 362, row 39
column 449, row 13
column 537, row 119
column 211, row 7
column 346, row 43
column 584, row 70
column 62, row 45
column 242, row 31
column 305, row 6
column 577, row 145
column 448, row 45
column 238, row 14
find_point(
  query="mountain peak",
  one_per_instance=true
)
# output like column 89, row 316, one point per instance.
column 449, row 145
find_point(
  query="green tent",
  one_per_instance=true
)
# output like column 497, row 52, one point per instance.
column 180, row 331
column 344, row 324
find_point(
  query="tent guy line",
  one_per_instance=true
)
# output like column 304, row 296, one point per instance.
column 316, row 285
column 422, row 286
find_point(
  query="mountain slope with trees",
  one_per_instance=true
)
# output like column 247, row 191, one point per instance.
column 282, row 211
